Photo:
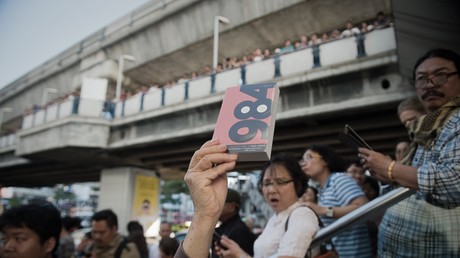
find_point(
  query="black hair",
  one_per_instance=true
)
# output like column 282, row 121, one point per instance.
column 440, row 53
column 108, row 215
column 136, row 235
column 292, row 166
column 71, row 223
column 356, row 162
column 41, row 217
column 333, row 161
column 315, row 191
column 168, row 245
column 134, row 226
column 372, row 183
column 170, row 224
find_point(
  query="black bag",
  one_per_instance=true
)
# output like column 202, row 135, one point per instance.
column 325, row 249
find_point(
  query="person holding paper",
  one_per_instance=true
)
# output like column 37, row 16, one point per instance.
column 426, row 224
column 207, row 181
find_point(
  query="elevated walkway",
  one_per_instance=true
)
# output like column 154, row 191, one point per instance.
column 322, row 88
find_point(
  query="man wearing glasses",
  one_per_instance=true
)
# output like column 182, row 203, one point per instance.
column 426, row 224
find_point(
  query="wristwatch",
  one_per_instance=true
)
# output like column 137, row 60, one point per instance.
column 330, row 212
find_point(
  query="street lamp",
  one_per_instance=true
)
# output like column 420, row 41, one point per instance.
column 45, row 95
column 217, row 20
column 120, row 73
column 3, row 110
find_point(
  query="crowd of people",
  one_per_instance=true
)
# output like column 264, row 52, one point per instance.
column 37, row 230
column 258, row 54
column 350, row 29
column 304, row 194
column 422, row 225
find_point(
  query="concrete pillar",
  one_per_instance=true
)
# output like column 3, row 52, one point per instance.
column 125, row 191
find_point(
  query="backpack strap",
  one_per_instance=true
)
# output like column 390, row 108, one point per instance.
column 123, row 245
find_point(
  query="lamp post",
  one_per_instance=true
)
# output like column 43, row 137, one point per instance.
column 2, row 111
column 217, row 20
column 45, row 95
column 121, row 63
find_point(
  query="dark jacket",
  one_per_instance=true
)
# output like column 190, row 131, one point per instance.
column 235, row 229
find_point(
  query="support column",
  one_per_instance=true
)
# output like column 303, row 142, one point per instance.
column 132, row 193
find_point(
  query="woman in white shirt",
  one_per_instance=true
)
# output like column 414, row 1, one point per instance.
column 282, row 182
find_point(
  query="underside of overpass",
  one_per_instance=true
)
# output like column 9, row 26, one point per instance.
column 378, row 125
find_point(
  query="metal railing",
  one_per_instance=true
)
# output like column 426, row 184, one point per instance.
column 331, row 53
column 361, row 214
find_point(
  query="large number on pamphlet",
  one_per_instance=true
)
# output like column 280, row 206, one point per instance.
column 251, row 113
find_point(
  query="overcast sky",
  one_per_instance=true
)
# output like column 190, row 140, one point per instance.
column 34, row 31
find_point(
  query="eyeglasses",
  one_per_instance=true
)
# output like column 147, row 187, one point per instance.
column 276, row 182
column 437, row 79
column 308, row 157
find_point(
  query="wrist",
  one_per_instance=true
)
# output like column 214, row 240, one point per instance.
column 390, row 171
column 329, row 212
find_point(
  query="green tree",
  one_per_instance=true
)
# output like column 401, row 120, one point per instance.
column 171, row 187
column 62, row 194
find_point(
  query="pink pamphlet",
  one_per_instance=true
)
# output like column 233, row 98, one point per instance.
column 246, row 121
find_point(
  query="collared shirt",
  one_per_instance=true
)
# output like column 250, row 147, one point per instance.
column 276, row 241
column 427, row 224
column 340, row 190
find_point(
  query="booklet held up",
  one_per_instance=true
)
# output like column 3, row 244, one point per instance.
column 246, row 121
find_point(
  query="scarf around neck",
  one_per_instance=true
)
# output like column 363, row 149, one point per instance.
column 425, row 130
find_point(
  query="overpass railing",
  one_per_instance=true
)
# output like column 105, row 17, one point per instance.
column 71, row 106
column 331, row 53
column 7, row 141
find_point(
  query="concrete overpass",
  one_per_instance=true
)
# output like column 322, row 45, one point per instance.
column 176, row 37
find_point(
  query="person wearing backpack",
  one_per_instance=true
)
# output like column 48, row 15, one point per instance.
column 108, row 243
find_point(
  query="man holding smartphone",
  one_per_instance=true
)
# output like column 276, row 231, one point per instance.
column 426, row 223
column 232, row 226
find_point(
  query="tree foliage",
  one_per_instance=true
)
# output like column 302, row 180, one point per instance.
column 171, row 187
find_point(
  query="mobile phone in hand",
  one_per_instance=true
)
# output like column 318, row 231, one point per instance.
column 216, row 237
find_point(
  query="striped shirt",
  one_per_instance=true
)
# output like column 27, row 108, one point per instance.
column 427, row 224
column 339, row 191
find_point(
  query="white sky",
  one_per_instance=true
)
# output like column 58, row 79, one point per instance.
column 34, row 31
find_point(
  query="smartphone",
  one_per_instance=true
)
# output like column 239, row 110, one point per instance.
column 350, row 138
column 216, row 237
